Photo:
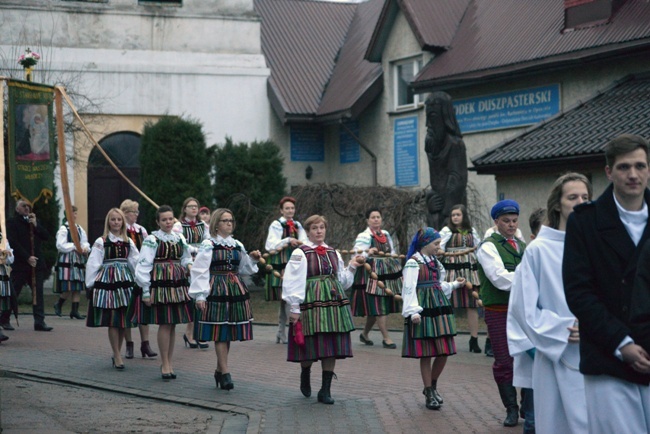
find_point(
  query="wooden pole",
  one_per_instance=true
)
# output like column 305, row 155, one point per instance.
column 3, row 226
column 63, row 166
column 99, row 148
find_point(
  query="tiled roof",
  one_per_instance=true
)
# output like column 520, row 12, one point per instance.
column 506, row 36
column 578, row 133
column 433, row 22
column 311, row 46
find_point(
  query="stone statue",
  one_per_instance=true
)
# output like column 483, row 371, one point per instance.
column 447, row 157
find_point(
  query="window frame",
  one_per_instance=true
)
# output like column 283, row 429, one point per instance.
column 416, row 63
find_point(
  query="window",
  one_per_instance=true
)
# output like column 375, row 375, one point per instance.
column 403, row 73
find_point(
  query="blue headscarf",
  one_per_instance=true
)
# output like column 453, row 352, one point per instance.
column 421, row 239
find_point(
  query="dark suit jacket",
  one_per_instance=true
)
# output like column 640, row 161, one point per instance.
column 640, row 306
column 18, row 235
column 599, row 269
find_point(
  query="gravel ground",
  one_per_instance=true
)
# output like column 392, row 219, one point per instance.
column 45, row 407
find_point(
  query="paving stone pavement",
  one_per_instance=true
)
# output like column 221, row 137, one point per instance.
column 377, row 391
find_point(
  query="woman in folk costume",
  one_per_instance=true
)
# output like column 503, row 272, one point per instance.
column 369, row 298
column 165, row 262
column 70, row 267
column 314, row 286
column 285, row 234
column 110, row 281
column 538, row 304
column 6, row 259
column 459, row 241
column 221, row 296
column 137, row 234
column 430, row 326
column 195, row 232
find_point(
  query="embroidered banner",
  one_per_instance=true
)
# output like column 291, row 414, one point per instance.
column 31, row 140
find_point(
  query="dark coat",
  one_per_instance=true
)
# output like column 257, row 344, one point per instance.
column 599, row 269
column 18, row 235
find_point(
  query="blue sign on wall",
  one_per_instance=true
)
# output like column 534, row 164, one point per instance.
column 348, row 146
column 307, row 143
column 405, row 138
column 508, row 109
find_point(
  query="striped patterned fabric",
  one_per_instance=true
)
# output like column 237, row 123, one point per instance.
column 325, row 312
column 170, row 300
column 5, row 288
column 462, row 266
column 228, row 315
column 273, row 286
column 434, row 336
column 70, row 269
column 112, row 289
column 368, row 299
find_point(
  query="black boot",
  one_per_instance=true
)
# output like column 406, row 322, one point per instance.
column 508, row 395
column 324, row 392
column 434, row 386
column 473, row 345
column 74, row 313
column 3, row 337
column 430, row 400
column 58, row 305
column 488, row 348
column 305, row 381
column 129, row 350
column 146, row 350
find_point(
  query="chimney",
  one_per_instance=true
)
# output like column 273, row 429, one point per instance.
column 579, row 14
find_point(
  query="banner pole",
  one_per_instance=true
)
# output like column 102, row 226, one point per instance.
column 3, row 225
column 63, row 167
column 99, row 148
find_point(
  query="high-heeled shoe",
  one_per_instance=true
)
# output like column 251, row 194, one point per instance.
column 280, row 338
column 203, row 345
column 165, row 376
column 226, row 382
column 146, row 350
column 217, row 378
column 129, row 350
column 172, row 375
column 118, row 367
column 189, row 343
column 385, row 344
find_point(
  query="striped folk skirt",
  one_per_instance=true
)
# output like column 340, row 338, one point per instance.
column 434, row 336
column 5, row 289
column 273, row 284
column 228, row 315
column 70, row 272
column 326, row 322
column 368, row 299
column 110, row 296
column 170, row 300
column 465, row 266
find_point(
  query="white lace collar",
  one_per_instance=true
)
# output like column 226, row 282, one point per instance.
column 166, row 237
column 229, row 241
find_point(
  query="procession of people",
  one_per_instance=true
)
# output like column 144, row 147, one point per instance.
column 558, row 333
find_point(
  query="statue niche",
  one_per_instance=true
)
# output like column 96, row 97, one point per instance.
column 447, row 158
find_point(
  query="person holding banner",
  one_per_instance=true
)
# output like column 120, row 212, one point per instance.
column 110, row 281
column 26, row 236
column 70, row 267
column 6, row 258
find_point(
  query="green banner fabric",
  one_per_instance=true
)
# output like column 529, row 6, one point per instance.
column 31, row 140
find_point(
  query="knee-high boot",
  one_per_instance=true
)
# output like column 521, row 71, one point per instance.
column 508, row 395
column 324, row 392
column 305, row 381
